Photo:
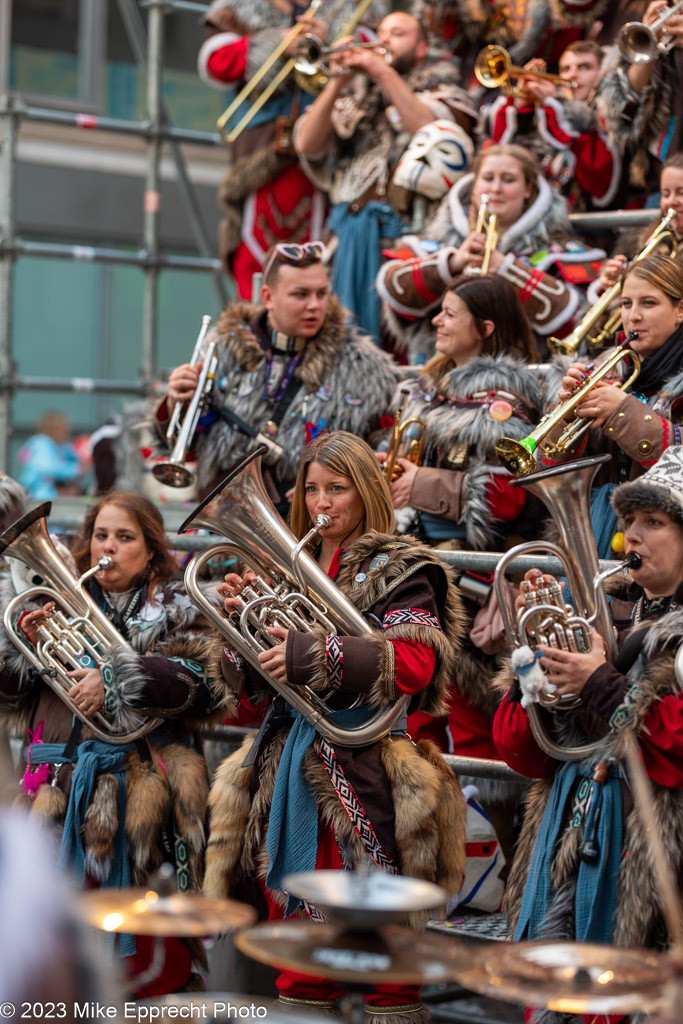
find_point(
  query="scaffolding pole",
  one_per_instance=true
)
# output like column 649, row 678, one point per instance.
column 8, row 138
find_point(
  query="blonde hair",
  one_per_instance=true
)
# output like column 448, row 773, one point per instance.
column 348, row 455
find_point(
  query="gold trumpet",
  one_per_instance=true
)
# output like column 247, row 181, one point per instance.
column 518, row 456
column 487, row 222
column 493, row 68
column 659, row 235
column 415, row 444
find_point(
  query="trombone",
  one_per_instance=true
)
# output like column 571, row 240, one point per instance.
column 247, row 89
column 638, row 43
column 286, row 69
column 569, row 345
column 518, row 456
column 493, row 67
column 415, row 440
column 173, row 472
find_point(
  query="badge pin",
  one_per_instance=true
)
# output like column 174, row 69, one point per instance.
column 500, row 411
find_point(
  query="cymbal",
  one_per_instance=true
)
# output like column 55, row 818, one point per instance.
column 230, row 1006
column 365, row 898
column 569, row 977
column 145, row 912
column 391, row 955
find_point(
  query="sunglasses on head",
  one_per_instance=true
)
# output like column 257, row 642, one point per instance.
column 294, row 252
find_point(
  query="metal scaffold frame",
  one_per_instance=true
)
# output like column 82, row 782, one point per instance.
column 148, row 51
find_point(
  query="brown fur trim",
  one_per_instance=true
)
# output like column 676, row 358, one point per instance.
column 321, row 352
column 50, row 805
column 100, row 826
column 421, row 1016
column 189, row 782
column 249, row 174
column 534, row 805
column 229, row 806
column 199, row 647
column 147, row 808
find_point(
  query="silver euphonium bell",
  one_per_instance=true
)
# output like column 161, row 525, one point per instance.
column 299, row 596
column 565, row 491
column 77, row 634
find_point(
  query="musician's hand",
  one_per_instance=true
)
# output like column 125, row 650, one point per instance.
column 611, row 269
column 537, row 579
column 88, row 693
column 310, row 26
column 182, row 383
column 402, row 487
column 469, row 254
column 533, row 90
column 370, row 63
column 274, row 660
column 600, row 403
column 570, row 672
column 231, row 589
column 32, row 620
column 576, row 375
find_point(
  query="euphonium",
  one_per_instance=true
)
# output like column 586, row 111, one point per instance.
column 77, row 634
column 415, row 440
column 299, row 595
column 565, row 491
column 658, row 236
column 174, row 472
column 518, row 456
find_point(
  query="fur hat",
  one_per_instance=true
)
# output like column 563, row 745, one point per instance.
column 661, row 488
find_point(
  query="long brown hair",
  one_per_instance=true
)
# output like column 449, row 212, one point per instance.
column 664, row 273
column 162, row 565
column 491, row 298
column 348, row 455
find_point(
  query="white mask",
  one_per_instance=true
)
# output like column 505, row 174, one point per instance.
column 435, row 158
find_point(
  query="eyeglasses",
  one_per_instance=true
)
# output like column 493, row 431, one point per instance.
column 294, row 252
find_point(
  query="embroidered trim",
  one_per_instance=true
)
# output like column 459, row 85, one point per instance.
column 402, row 616
column 390, row 691
column 353, row 807
column 624, row 713
column 313, row 912
column 235, row 659
column 334, row 654
column 264, row 758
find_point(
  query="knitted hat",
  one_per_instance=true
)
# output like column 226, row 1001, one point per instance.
column 661, row 488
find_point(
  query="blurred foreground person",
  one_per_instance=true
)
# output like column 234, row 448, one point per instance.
column 300, row 802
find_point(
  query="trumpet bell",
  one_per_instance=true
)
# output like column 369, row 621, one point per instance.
column 517, row 456
column 637, row 43
column 173, row 474
column 492, row 66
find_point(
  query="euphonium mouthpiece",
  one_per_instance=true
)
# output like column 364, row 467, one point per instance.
column 632, row 561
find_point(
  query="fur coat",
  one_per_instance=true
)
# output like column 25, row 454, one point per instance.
column 427, row 807
column 347, row 384
column 639, row 909
column 541, row 233
column 162, row 676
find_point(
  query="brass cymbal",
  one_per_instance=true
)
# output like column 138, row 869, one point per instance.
column 391, row 954
column 145, row 912
column 230, row 1006
column 569, row 977
column 365, row 898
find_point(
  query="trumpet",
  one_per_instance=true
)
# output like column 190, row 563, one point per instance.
column 312, row 61
column 487, row 222
column 173, row 472
column 658, row 236
column 639, row 43
column 518, row 456
column 493, row 68
column 415, row 441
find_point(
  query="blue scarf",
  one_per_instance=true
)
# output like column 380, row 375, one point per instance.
column 292, row 839
column 92, row 758
column 596, row 884
column 357, row 259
